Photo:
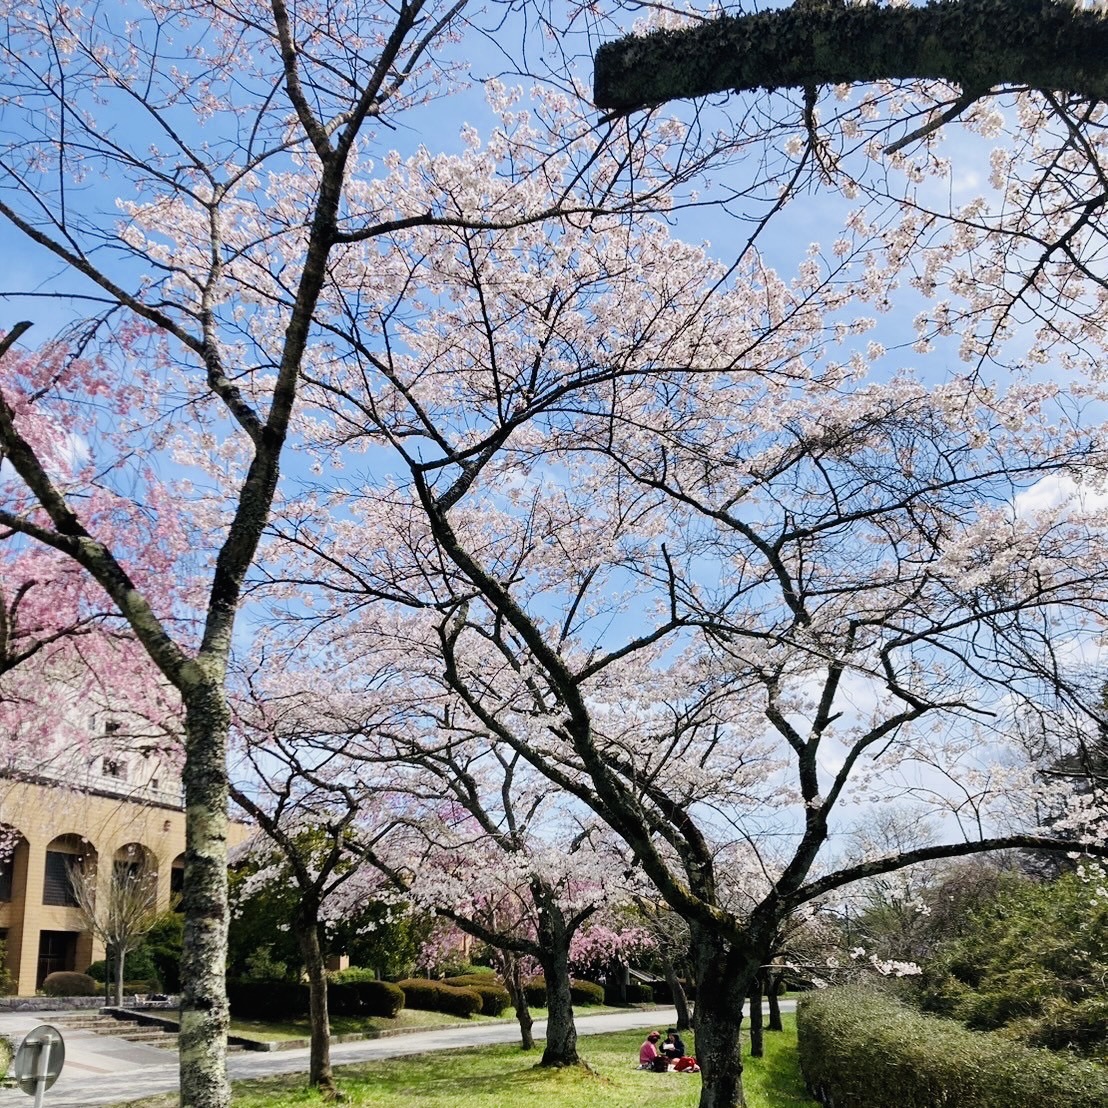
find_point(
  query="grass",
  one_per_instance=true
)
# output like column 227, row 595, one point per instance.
column 504, row 1077
column 413, row 1018
column 406, row 1019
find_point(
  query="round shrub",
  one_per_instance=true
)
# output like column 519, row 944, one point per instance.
column 494, row 998
column 584, row 993
column 363, row 997
column 379, row 998
column 639, row 994
column 65, row 983
column 98, row 971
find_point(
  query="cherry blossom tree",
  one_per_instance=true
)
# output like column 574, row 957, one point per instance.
column 224, row 246
column 493, row 860
column 318, row 821
column 679, row 542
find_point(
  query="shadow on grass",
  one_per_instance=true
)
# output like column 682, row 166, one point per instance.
column 781, row 1082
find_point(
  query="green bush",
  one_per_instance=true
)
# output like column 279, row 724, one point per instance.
column 267, row 1000
column 351, row 974
column 139, row 966
column 365, row 997
column 494, row 997
column 861, row 1049
column 135, row 988
column 639, row 994
column 162, row 945
column 534, row 989
column 380, row 998
column 585, row 993
column 5, row 1057
column 435, row 996
column 65, row 983
column 465, row 980
column 7, row 981
column 343, row 999
column 1031, row 960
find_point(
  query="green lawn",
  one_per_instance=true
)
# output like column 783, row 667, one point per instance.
column 504, row 1077
column 406, row 1018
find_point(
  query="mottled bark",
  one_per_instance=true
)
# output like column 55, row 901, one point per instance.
column 975, row 44
column 561, row 1032
column 307, row 936
column 513, row 982
column 724, row 973
column 204, row 1017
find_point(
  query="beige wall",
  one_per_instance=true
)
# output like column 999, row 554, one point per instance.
column 41, row 813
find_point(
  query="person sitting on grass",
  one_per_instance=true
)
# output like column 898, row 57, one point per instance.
column 650, row 1057
column 675, row 1052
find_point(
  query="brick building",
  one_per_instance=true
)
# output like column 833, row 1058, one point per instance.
column 111, row 803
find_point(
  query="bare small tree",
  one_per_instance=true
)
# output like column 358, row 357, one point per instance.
column 122, row 917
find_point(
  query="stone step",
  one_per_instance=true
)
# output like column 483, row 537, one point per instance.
column 129, row 1030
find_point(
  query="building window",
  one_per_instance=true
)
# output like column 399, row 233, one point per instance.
column 57, row 888
column 112, row 726
column 6, row 867
column 113, row 767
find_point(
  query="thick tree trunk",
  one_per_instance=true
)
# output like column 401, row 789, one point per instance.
column 561, row 1032
column 975, row 44
column 723, row 978
column 677, row 991
column 307, row 935
column 774, row 1001
column 757, row 1043
column 203, row 1037
column 513, row 982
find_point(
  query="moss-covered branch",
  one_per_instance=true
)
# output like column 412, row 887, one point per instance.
column 975, row 44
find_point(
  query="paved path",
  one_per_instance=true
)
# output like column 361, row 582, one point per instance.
column 101, row 1070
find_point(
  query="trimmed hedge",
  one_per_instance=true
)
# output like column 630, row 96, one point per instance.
column 283, row 999
column 466, row 980
column 435, row 996
column 66, row 983
column 494, row 997
column 268, row 1000
column 861, row 1049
